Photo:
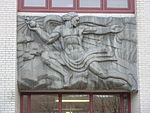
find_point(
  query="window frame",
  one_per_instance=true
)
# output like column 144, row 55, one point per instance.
column 91, row 107
column 76, row 8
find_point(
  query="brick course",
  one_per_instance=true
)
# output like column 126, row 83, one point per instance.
column 7, row 56
column 143, row 34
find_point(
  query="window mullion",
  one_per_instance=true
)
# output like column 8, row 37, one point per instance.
column 104, row 4
column 21, row 103
column 49, row 4
column 91, row 103
column 75, row 4
column 129, row 103
column 29, row 104
column 60, row 103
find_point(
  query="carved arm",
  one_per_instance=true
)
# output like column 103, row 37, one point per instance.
column 46, row 37
column 103, row 30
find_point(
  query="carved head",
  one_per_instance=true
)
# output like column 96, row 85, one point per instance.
column 75, row 21
column 72, row 17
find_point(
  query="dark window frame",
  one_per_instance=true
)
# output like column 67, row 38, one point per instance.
column 77, row 8
column 28, row 94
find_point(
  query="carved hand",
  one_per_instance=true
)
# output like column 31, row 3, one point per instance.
column 116, row 28
column 33, row 25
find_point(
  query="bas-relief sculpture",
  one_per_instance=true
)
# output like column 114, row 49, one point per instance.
column 81, row 53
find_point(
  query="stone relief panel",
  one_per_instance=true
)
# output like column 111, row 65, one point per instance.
column 74, row 52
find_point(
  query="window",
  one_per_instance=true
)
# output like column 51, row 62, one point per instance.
column 79, row 6
column 75, row 103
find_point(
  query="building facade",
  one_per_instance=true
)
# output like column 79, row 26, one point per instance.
column 11, row 99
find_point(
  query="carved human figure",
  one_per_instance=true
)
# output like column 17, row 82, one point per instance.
column 73, row 55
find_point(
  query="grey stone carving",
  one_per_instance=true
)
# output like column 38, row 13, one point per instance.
column 76, row 53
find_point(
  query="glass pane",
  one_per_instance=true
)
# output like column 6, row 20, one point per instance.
column 106, row 103
column 90, row 3
column 117, row 3
column 75, row 104
column 62, row 3
column 44, row 104
column 25, row 101
column 35, row 3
